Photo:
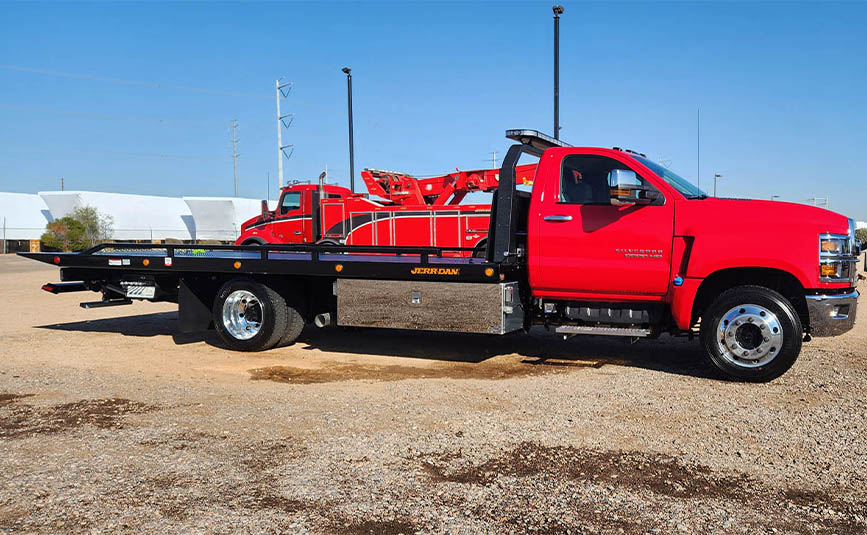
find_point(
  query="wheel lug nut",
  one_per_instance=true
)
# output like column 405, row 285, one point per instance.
column 750, row 320
column 767, row 339
column 762, row 326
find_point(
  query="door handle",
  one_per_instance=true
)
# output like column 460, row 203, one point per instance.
column 297, row 232
column 558, row 218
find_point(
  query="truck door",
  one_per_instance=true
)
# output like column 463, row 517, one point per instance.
column 288, row 227
column 588, row 247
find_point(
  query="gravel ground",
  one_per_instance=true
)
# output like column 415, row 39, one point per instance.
column 112, row 423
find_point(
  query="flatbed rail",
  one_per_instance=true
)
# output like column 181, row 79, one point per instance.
column 378, row 262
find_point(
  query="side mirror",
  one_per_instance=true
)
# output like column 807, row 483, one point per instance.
column 266, row 213
column 626, row 188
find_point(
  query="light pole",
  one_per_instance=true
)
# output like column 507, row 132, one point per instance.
column 348, row 72
column 558, row 10
column 715, row 177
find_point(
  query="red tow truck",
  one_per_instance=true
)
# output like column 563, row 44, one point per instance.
column 607, row 243
column 400, row 210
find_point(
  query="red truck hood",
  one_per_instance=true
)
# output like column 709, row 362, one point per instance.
column 251, row 221
column 756, row 217
column 732, row 233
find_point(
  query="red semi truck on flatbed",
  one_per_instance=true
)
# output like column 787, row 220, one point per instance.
column 607, row 243
column 404, row 211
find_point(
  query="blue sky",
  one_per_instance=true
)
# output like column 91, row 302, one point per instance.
column 781, row 88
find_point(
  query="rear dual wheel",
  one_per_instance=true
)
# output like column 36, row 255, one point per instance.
column 751, row 333
column 250, row 316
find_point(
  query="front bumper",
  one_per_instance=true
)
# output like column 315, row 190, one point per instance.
column 831, row 315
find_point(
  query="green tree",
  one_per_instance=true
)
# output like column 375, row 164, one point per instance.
column 861, row 234
column 83, row 228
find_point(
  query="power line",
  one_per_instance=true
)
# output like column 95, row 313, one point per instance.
column 156, row 85
column 105, row 115
column 122, row 153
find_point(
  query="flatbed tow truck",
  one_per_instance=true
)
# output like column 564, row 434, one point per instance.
column 607, row 243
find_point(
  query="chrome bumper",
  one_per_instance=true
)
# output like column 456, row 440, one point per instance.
column 831, row 315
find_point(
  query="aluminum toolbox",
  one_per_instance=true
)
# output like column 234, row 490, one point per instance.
column 491, row 308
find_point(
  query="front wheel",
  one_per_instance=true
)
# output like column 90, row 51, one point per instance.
column 751, row 333
column 249, row 316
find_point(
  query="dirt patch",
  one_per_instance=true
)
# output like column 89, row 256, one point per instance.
column 21, row 420
column 6, row 399
column 798, row 511
column 374, row 527
column 659, row 473
column 342, row 371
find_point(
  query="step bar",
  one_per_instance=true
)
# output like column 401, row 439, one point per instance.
column 631, row 332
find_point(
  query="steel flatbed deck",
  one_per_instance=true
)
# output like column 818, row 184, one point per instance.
column 349, row 262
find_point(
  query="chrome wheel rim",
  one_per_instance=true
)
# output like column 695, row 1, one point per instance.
column 749, row 336
column 242, row 315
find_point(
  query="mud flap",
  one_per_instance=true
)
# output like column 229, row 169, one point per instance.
column 195, row 297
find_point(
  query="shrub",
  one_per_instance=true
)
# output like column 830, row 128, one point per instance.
column 84, row 228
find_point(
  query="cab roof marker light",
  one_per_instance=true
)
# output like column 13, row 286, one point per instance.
column 535, row 138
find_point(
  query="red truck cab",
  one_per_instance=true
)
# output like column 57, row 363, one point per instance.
column 613, row 236
column 292, row 221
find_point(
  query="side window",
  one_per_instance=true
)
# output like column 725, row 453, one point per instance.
column 291, row 201
column 586, row 179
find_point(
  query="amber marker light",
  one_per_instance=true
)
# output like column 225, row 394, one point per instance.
column 489, row 272
column 338, row 268
column 237, row 265
column 145, row 262
column 828, row 270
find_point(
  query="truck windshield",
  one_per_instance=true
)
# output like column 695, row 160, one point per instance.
column 681, row 184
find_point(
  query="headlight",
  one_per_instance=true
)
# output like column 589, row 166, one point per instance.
column 837, row 256
column 832, row 245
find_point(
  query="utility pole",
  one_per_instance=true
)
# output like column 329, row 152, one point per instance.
column 235, row 152
column 268, row 186
column 558, row 10
column 698, row 148
column 494, row 159
column 348, row 72
column 61, row 184
column 281, row 123
column 4, row 234
column 715, row 177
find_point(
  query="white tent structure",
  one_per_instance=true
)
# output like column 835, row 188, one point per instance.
column 134, row 217
column 23, row 216
column 220, row 218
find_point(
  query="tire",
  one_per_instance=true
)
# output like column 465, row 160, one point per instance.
column 254, row 241
column 249, row 316
column 481, row 249
column 296, row 316
column 751, row 333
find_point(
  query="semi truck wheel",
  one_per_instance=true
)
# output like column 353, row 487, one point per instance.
column 249, row 316
column 296, row 318
column 751, row 333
